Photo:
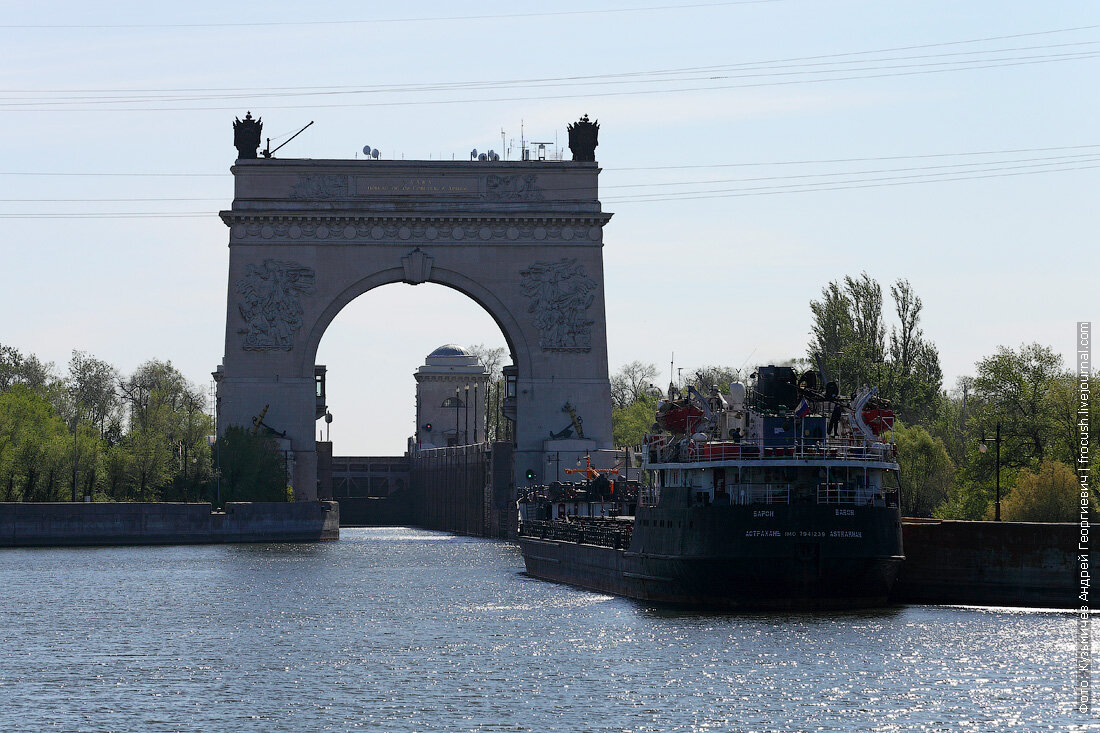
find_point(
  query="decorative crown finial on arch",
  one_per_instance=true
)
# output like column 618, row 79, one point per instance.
column 583, row 139
column 418, row 266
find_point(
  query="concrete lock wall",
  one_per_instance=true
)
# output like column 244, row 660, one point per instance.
column 522, row 239
column 988, row 563
column 29, row 525
column 466, row 490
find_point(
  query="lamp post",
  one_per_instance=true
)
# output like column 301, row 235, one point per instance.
column 466, row 431
column 983, row 449
column 212, row 440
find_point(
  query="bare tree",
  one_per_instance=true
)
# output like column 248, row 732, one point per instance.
column 490, row 358
column 631, row 382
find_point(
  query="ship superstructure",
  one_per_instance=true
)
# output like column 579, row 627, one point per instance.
column 777, row 494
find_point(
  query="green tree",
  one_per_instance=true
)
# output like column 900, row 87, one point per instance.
column 1049, row 494
column 1013, row 388
column 927, row 472
column 92, row 396
column 150, row 467
column 914, row 376
column 1061, row 405
column 32, row 445
column 630, row 424
column 117, row 469
column 253, row 467
column 15, row 368
column 849, row 339
column 968, row 498
column 833, row 332
column 168, row 425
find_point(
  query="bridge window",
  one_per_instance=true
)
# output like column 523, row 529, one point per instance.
column 453, row 402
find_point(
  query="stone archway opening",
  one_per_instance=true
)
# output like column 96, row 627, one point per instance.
column 373, row 348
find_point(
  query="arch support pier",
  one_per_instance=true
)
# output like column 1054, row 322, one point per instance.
column 524, row 239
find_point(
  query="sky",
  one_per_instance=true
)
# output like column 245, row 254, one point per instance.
column 751, row 153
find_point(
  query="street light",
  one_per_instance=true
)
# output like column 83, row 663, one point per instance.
column 982, row 449
column 212, row 440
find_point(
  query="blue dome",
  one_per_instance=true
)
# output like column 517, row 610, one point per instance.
column 450, row 350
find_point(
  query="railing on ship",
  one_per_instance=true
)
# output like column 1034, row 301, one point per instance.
column 840, row 493
column 719, row 450
column 581, row 531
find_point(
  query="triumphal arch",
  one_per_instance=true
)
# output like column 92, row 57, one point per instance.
column 523, row 239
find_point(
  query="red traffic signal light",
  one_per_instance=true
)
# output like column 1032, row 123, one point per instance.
column 428, row 426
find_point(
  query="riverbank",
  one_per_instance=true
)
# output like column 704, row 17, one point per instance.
column 120, row 523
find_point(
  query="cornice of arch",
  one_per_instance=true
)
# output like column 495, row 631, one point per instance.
column 257, row 226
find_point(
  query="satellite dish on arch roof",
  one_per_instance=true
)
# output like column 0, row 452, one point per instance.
column 473, row 154
column 366, row 150
column 374, row 153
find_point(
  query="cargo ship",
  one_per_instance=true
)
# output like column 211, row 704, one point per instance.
column 777, row 495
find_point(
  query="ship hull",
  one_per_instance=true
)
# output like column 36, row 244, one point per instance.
column 738, row 558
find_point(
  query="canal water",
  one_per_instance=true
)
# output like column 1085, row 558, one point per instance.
column 396, row 629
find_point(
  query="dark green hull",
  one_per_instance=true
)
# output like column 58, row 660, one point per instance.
column 745, row 557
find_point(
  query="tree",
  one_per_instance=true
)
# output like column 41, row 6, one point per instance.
column 865, row 296
column 706, row 376
column 496, row 426
column 1061, row 405
column 832, row 330
column 630, row 424
column 18, row 369
column 849, row 339
column 253, row 467
column 1050, row 494
column 1013, row 387
column 92, row 395
column 490, row 358
column 927, row 472
column 848, row 333
column 168, row 426
column 631, row 383
column 914, row 374
column 32, row 445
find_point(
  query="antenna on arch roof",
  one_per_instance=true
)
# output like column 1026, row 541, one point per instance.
column 269, row 152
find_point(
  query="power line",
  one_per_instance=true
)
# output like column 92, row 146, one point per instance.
column 1004, row 151
column 636, row 77
column 831, row 186
column 769, row 74
column 938, row 169
column 611, row 169
column 687, row 69
column 602, row 94
column 495, row 16
column 1049, row 160
column 1003, row 172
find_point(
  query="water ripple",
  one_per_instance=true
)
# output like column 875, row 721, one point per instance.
column 398, row 629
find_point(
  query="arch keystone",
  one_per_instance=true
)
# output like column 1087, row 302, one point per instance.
column 418, row 266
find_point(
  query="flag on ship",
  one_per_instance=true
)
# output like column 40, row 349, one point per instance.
column 803, row 408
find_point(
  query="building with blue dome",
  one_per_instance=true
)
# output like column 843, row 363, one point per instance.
column 451, row 390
